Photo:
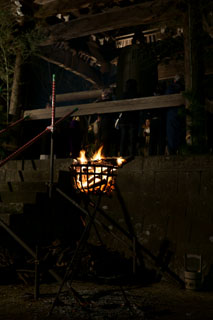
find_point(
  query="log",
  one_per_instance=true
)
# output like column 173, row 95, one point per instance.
column 155, row 102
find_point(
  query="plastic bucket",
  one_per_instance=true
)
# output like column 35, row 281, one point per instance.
column 192, row 280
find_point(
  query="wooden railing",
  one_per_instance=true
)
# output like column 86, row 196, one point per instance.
column 153, row 102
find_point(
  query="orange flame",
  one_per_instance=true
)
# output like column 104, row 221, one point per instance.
column 82, row 157
column 98, row 155
column 120, row 161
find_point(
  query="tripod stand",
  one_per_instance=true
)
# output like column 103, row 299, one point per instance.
column 73, row 264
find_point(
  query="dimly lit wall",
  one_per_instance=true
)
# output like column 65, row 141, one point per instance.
column 166, row 201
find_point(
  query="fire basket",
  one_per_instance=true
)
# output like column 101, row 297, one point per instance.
column 96, row 175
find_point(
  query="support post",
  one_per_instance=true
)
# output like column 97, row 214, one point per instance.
column 134, row 255
column 52, row 139
column 36, row 292
column 194, row 65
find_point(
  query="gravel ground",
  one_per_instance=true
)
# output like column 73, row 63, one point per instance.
column 163, row 300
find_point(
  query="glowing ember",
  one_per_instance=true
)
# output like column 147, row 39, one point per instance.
column 96, row 174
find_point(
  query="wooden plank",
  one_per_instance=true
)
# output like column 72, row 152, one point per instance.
column 81, row 95
column 43, row 2
column 170, row 69
column 146, row 103
column 144, row 13
column 52, row 7
column 69, row 61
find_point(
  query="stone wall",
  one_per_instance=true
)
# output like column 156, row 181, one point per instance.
column 167, row 202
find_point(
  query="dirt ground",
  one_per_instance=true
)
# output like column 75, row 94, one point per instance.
column 163, row 300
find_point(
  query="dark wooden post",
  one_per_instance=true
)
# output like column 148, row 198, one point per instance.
column 36, row 289
column 193, row 46
column 193, row 54
column 52, row 139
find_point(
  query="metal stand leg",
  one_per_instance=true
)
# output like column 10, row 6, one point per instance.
column 72, row 266
column 36, row 292
column 132, row 249
column 27, row 248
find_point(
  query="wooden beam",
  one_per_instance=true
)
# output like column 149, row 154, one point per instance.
column 67, row 60
column 170, row 69
column 144, row 13
column 43, row 2
column 81, row 95
column 64, row 6
column 146, row 103
column 173, row 67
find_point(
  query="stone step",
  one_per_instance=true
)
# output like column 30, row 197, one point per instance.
column 36, row 164
column 11, row 208
column 16, row 197
column 14, row 186
column 7, row 217
column 27, row 176
column 31, row 170
column 12, row 212
column 24, row 176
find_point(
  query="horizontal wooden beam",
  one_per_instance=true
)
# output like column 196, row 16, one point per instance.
column 146, row 103
column 67, row 60
column 144, row 13
column 52, row 7
column 43, row 2
column 81, row 95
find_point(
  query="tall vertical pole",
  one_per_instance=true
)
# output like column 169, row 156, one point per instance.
column 52, row 139
column 194, row 71
column 37, row 280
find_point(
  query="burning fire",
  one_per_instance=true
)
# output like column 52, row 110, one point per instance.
column 96, row 174
column 83, row 158
column 120, row 161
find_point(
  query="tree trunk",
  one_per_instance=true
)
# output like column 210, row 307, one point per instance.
column 15, row 94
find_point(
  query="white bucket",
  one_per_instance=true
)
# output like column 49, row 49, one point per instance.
column 193, row 276
column 192, row 280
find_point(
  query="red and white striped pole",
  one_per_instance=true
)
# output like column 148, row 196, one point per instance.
column 52, row 139
column 53, row 103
